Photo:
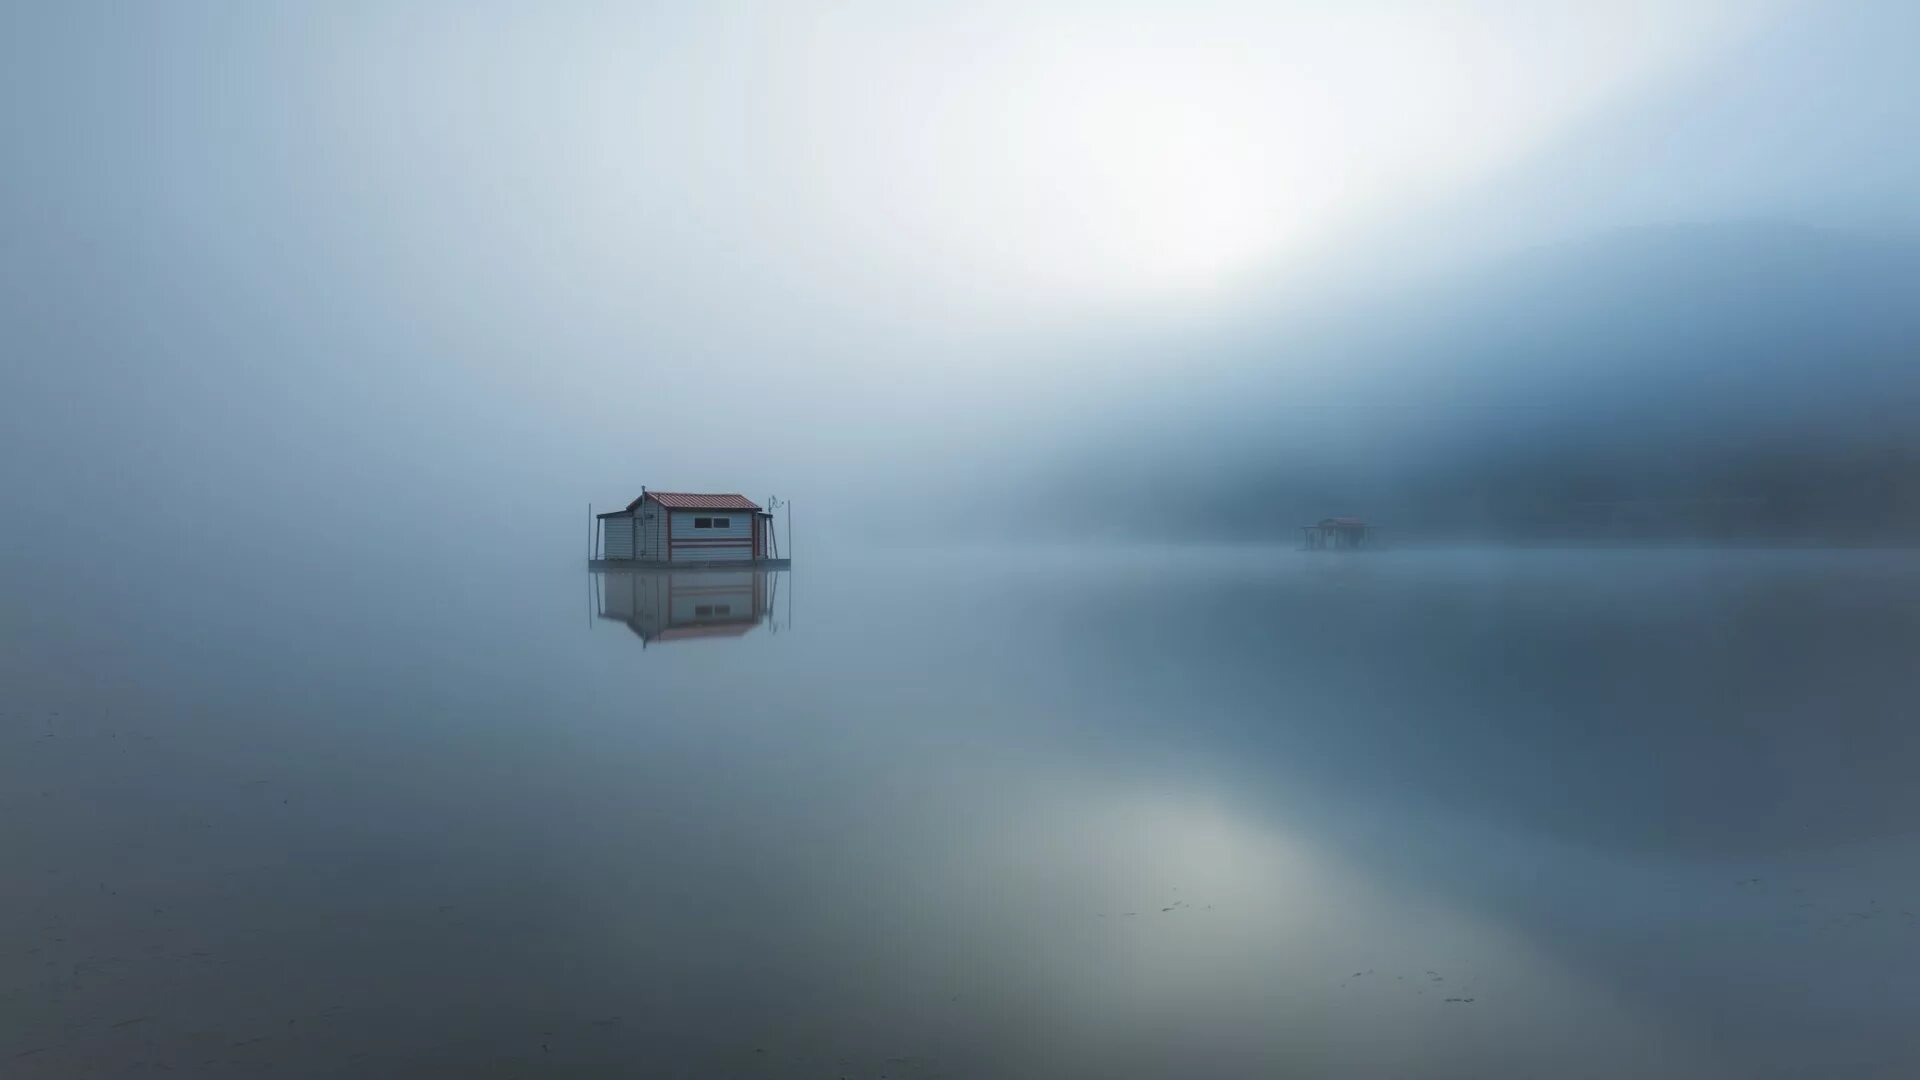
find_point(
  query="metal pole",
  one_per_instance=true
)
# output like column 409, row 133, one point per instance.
column 589, row 532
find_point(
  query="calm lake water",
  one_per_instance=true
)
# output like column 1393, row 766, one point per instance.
column 1176, row 812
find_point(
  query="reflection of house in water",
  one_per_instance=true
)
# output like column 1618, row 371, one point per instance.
column 676, row 605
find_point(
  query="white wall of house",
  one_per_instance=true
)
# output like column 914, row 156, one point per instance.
column 727, row 536
column 618, row 539
column 652, row 534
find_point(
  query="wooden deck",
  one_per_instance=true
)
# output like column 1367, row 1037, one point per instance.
column 655, row 564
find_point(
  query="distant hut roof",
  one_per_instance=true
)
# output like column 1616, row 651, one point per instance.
column 680, row 500
column 1342, row 523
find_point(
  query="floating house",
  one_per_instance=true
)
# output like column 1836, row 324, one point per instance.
column 674, row 528
column 1337, row 534
column 686, row 605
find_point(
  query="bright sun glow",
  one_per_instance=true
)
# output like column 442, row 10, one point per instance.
column 1053, row 157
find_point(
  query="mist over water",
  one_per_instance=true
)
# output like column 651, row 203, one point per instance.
column 325, row 329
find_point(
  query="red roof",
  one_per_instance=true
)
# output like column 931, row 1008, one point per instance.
column 680, row 500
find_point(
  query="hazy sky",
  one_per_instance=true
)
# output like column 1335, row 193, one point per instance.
column 392, row 260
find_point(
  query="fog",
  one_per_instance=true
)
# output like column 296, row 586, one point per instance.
column 323, row 327
column 394, row 264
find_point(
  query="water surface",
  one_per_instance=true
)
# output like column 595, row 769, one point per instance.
column 1168, row 812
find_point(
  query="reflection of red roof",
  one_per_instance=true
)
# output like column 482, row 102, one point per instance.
column 680, row 500
column 675, row 633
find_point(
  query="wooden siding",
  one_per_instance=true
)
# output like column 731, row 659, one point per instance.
column 653, row 532
column 734, row 542
column 619, row 537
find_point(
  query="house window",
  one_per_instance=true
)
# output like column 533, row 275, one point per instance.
column 701, row 611
column 703, row 523
column 713, row 523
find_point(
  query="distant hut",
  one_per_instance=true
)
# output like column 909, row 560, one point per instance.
column 680, row 527
column 1337, row 534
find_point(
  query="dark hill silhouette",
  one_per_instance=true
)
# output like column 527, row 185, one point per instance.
column 1731, row 382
